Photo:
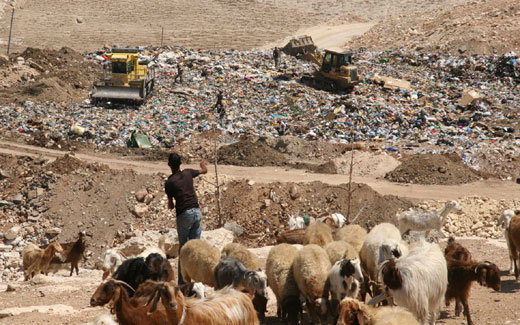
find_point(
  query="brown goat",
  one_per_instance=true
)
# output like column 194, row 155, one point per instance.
column 514, row 240
column 461, row 275
column 36, row 260
column 73, row 252
column 226, row 307
column 456, row 251
column 128, row 311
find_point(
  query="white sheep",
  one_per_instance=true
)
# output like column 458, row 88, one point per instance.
column 337, row 250
column 383, row 233
column 198, row 261
column 420, row 220
column 311, row 269
column 242, row 254
column 504, row 221
column 417, row 281
column 112, row 259
column 281, row 280
column 318, row 233
column 353, row 311
column 353, row 234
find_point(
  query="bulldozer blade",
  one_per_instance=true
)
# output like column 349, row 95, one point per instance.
column 116, row 93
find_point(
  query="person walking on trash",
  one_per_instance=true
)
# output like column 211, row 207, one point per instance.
column 276, row 57
column 179, row 186
column 219, row 106
column 179, row 74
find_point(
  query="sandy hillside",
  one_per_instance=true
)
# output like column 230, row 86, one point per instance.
column 88, row 25
column 478, row 27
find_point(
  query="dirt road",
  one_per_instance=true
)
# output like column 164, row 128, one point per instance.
column 494, row 189
column 331, row 37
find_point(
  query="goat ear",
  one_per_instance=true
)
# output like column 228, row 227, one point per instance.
column 155, row 296
column 360, row 317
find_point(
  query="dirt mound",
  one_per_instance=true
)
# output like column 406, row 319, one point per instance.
column 262, row 209
column 47, row 75
column 66, row 165
column 366, row 164
column 250, row 153
column 433, row 169
column 483, row 27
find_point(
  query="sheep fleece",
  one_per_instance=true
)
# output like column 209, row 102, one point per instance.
column 318, row 233
column 198, row 262
column 280, row 273
column 311, row 269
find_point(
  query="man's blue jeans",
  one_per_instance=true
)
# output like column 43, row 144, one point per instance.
column 188, row 227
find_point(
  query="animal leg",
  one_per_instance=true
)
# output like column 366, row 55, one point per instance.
column 458, row 307
column 466, row 311
column 77, row 269
column 516, row 269
column 511, row 267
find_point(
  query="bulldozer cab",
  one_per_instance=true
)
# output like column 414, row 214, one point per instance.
column 124, row 78
column 123, row 67
column 333, row 61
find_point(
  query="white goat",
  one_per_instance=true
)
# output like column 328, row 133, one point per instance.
column 419, row 220
column 111, row 261
column 504, row 221
column 370, row 251
column 417, row 281
column 345, row 279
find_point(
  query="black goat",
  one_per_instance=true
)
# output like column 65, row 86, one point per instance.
column 159, row 269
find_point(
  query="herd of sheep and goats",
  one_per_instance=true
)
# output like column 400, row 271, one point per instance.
column 325, row 265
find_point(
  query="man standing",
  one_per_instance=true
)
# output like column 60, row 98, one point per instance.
column 276, row 57
column 179, row 73
column 219, row 106
column 179, row 186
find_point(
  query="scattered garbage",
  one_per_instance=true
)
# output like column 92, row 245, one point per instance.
column 138, row 140
column 419, row 104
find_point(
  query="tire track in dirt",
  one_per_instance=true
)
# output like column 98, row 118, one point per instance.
column 494, row 189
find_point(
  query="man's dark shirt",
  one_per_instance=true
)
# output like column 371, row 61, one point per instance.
column 180, row 187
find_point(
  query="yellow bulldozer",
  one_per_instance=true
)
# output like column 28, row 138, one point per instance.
column 335, row 69
column 125, row 78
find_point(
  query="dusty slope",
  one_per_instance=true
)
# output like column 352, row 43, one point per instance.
column 479, row 27
column 87, row 25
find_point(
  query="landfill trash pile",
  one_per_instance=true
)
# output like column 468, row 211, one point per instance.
column 46, row 75
column 257, row 99
column 476, row 27
column 433, row 169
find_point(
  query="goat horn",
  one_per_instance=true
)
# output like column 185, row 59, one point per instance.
column 123, row 283
column 377, row 299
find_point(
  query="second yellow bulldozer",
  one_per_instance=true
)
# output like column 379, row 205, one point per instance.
column 335, row 69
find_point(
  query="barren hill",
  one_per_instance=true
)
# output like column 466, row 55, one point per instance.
column 477, row 27
column 212, row 24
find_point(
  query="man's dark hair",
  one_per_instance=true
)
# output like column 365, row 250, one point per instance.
column 174, row 161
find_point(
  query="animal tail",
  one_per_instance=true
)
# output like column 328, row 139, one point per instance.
column 161, row 244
